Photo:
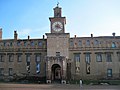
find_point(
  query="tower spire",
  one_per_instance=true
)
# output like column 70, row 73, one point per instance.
column 57, row 4
column 57, row 11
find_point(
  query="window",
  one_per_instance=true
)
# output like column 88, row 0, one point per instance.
column 1, row 71
column 96, row 42
column 77, row 57
column 1, row 58
column 10, row 71
column 87, row 57
column 88, row 43
column 87, row 60
column 108, row 57
column 25, row 44
column 38, row 63
column 71, row 43
column 19, row 58
column 37, row 68
column 109, row 72
column 113, row 45
column 57, row 53
column 99, row 57
column 80, row 43
column 38, row 58
column 10, row 57
column 77, row 62
column 28, row 58
column 39, row 43
column 28, row 63
column 32, row 43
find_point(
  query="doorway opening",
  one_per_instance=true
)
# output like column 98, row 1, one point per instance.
column 56, row 72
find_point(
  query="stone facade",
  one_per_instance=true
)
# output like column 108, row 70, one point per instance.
column 59, row 57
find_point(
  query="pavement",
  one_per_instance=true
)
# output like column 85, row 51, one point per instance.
column 4, row 86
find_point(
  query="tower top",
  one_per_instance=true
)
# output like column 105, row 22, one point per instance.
column 57, row 11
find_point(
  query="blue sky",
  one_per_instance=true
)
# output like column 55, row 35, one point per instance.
column 31, row 17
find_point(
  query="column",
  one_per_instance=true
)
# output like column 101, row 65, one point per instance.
column 63, row 71
column 48, row 71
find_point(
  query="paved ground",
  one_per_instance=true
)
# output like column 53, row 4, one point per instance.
column 56, row 87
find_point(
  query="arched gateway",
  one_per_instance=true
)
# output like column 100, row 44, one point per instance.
column 56, row 69
column 56, row 72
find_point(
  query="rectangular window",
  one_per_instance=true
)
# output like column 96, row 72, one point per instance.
column 87, row 60
column 1, row 58
column 108, row 57
column 28, row 63
column 11, row 58
column 87, row 57
column 77, row 62
column 99, row 57
column 19, row 58
column 71, row 43
column 28, row 58
column 109, row 72
column 38, row 57
column 77, row 57
column 1, row 71
column 10, row 71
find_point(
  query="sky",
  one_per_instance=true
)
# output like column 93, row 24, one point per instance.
column 83, row 17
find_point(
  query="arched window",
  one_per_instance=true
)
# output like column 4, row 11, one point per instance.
column 80, row 43
column 96, row 42
column 39, row 43
column 25, row 43
column 88, row 42
column 113, row 45
column 32, row 43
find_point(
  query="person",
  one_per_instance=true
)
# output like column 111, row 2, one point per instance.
column 81, row 83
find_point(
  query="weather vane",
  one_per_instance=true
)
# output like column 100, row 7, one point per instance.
column 57, row 4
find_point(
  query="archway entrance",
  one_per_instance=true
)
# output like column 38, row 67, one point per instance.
column 56, row 72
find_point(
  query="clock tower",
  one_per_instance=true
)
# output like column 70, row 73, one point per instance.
column 57, row 48
column 57, row 22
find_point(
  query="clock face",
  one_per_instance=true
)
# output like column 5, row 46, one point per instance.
column 57, row 26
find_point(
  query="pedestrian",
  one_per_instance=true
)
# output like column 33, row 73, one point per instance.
column 81, row 83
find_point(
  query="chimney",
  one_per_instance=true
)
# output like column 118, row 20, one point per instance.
column 0, row 33
column 43, row 37
column 91, row 35
column 15, row 35
column 75, row 36
column 28, row 37
column 113, row 34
